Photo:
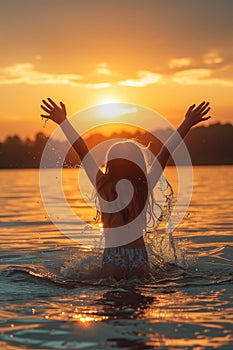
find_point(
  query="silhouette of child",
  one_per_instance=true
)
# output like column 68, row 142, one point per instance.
column 123, row 208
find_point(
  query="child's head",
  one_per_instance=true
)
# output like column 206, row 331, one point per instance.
column 128, row 160
column 125, row 159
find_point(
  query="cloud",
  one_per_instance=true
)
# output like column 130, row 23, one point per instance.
column 24, row 73
column 199, row 77
column 102, row 69
column 180, row 62
column 145, row 78
column 101, row 77
column 189, row 76
column 212, row 58
column 96, row 85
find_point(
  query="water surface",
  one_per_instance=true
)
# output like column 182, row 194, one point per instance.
column 51, row 296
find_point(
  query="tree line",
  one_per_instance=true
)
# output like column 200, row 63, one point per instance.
column 207, row 145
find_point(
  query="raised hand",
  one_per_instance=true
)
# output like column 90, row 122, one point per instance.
column 195, row 115
column 55, row 113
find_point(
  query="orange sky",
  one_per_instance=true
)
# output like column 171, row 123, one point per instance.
column 159, row 54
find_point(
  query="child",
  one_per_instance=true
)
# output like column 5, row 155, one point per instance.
column 123, row 209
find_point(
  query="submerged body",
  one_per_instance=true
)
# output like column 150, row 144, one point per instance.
column 125, row 262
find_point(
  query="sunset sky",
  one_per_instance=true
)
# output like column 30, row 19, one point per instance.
column 161, row 54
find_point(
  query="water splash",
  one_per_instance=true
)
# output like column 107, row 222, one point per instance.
column 164, row 249
column 161, row 245
column 45, row 120
column 165, row 252
column 83, row 265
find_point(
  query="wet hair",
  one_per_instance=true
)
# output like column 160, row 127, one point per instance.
column 130, row 160
column 125, row 153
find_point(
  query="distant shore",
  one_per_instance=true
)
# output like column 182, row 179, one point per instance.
column 211, row 145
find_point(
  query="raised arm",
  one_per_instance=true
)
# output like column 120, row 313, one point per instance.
column 193, row 116
column 59, row 116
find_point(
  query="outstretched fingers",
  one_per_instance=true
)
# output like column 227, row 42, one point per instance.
column 56, row 112
column 195, row 114
column 63, row 106
column 206, row 118
column 48, row 105
column 191, row 108
column 47, row 110
column 52, row 102
column 44, row 116
column 202, row 106
column 205, row 111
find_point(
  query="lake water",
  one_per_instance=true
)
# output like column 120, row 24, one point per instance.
column 51, row 296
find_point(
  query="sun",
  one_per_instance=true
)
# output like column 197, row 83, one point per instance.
column 109, row 107
column 110, row 110
column 108, row 100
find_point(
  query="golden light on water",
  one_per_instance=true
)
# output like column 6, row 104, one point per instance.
column 88, row 318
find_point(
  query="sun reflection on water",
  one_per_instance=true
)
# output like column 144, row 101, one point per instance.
column 87, row 318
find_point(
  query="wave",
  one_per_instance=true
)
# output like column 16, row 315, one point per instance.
column 86, row 272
